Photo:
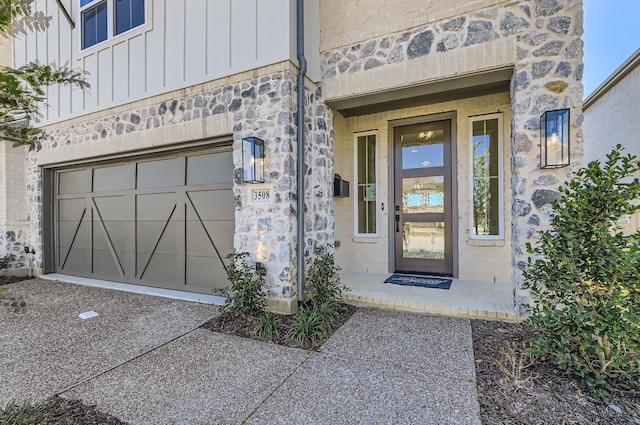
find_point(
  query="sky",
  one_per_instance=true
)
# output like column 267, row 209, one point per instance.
column 610, row 37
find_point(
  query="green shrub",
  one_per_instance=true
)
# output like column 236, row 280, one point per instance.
column 21, row 414
column 585, row 279
column 267, row 326
column 245, row 296
column 314, row 320
column 312, row 324
column 323, row 277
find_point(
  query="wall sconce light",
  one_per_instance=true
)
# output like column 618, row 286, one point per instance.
column 252, row 160
column 554, row 139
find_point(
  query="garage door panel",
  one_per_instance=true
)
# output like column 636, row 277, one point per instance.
column 111, row 207
column 160, row 173
column 76, row 235
column 71, row 209
column 161, row 268
column 154, row 236
column 68, row 231
column 74, row 261
column 115, row 237
column 205, row 272
column 104, row 263
column 155, row 206
column 211, row 168
column 199, row 241
column 211, row 205
column 140, row 224
column 110, row 178
column 221, row 232
column 71, row 182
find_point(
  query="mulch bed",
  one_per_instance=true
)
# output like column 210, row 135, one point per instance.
column 4, row 280
column 62, row 411
column 542, row 394
column 56, row 411
column 245, row 328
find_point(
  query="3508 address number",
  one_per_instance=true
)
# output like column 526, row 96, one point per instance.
column 261, row 195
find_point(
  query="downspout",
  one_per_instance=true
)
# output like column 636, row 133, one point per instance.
column 302, row 72
column 66, row 14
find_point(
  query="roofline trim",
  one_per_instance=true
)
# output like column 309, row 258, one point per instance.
column 613, row 79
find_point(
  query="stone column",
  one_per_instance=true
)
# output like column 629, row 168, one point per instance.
column 13, row 207
column 265, row 108
column 547, row 76
column 319, row 218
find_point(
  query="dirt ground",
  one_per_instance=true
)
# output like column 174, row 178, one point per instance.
column 514, row 389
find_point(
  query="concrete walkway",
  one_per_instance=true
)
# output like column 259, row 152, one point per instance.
column 144, row 360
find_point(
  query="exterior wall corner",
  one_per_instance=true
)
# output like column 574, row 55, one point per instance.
column 14, row 217
column 547, row 76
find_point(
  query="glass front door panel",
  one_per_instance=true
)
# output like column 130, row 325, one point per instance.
column 423, row 149
column 423, row 195
column 424, row 240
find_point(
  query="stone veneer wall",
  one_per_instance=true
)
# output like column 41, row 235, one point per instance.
column 547, row 75
column 267, row 230
column 319, row 152
column 13, row 240
column 13, row 212
column 270, row 230
column 264, row 107
column 12, row 244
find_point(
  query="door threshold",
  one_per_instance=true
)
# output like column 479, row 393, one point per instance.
column 426, row 274
column 137, row 289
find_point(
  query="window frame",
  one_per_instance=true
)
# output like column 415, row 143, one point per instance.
column 356, row 232
column 501, row 216
column 112, row 38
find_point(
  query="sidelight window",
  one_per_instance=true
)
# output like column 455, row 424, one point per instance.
column 487, row 195
column 366, row 185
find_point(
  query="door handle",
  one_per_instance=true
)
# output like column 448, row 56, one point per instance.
column 397, row 223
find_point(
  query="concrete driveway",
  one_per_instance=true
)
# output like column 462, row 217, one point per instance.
column 145, row 360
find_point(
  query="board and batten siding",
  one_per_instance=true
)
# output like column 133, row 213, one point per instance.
column 182, row 43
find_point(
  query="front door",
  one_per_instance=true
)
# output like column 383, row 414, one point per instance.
column 423, row 204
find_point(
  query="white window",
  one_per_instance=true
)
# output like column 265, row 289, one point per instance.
column 366, row 223
column 487, row 195
column 103, row 19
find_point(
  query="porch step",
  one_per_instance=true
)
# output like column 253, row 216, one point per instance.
column 476, row 300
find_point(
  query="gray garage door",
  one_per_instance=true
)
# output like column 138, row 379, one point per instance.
column 161, row 221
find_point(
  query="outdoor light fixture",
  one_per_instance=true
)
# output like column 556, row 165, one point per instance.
column 252, row 160
column 554, row 139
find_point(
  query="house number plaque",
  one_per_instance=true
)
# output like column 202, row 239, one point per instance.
column 260, row 195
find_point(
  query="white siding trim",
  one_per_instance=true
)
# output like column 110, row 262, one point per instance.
column 158, row 57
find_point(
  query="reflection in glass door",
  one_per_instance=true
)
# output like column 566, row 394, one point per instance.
column 422, row 216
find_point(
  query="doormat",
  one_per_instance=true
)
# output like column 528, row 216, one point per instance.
column 423, row 281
